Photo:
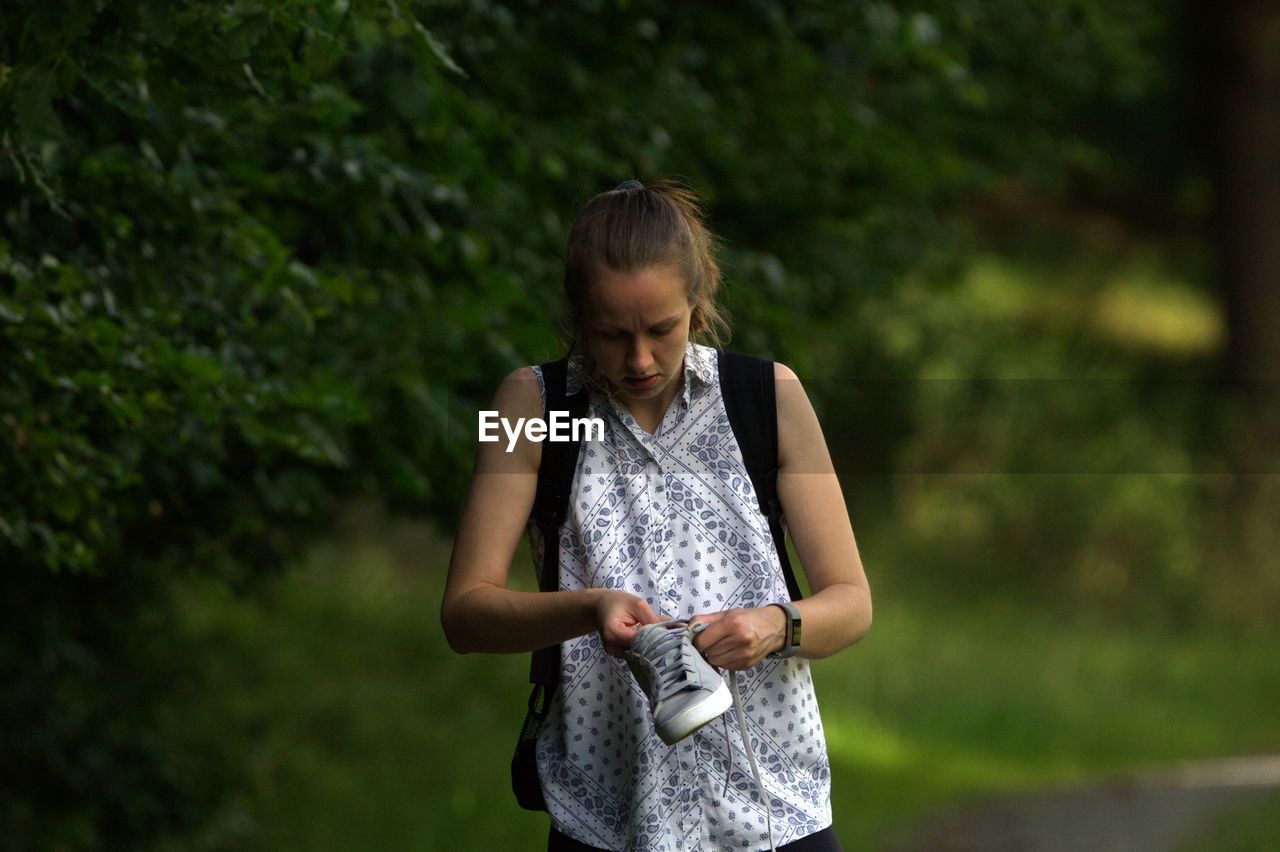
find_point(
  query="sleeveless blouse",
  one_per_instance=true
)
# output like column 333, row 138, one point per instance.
column 672, row 518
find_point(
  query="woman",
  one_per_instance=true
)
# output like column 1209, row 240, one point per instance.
column 654, row 506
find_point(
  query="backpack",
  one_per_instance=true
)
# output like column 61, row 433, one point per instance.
column 747, row 385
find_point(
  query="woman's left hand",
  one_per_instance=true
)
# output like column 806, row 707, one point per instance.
column 737, row 639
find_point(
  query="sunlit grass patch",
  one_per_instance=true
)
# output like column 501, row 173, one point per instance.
column 1135, row 302
column 1077, row 315
column 1163, row 316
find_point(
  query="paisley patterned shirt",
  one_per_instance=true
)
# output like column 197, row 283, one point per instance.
column 671, row 517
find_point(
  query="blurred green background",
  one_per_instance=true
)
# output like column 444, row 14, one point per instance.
column 262, row 261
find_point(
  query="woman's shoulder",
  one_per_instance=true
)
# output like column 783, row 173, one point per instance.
column 781, row 372
column 788, row 390
column 520, row 393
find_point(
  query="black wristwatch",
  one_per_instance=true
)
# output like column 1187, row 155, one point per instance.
column 792, row 643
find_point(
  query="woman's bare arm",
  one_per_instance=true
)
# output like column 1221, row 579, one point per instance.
column 479, row 612
column 838, row 611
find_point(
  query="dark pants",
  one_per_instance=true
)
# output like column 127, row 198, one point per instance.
column 823, row 841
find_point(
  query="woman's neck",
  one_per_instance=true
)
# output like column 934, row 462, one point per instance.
column 648, row 413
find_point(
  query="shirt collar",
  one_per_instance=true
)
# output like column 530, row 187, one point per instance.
column 700, row 368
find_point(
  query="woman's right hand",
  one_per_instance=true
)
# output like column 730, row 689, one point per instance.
column 618, row 616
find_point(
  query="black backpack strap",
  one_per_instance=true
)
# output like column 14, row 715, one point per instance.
column 750, row 400
column 551, row 504
column 559, row 458
column 550, row 508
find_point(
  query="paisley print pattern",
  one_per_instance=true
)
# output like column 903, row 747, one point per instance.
column 671, row 517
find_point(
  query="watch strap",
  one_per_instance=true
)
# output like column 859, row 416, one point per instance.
column 791, row 644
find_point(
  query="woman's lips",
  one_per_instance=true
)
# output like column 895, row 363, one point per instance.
column 644, row 383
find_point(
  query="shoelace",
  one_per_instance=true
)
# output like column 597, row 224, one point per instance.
column 741, row 716
column 751, row 756
column 669, row 647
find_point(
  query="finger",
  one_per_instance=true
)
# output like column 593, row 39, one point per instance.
column 617, row 634
column 646, row 614
column 719, row 626
column 618, row 643
column 707, row 619
column 712, row 640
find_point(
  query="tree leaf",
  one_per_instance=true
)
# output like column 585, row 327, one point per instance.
column 33, row 111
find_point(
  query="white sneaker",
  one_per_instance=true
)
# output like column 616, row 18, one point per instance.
column 685, row 691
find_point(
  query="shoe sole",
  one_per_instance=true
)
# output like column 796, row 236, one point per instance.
column 692, row 718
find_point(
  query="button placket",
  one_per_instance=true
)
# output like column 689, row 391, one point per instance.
column 655, row 483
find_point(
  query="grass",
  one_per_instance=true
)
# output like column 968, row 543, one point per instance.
column 363, row 731
column 939, row 706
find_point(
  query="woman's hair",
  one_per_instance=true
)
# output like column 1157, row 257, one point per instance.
column 635, row 227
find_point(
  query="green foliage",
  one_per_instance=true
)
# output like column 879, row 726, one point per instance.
column 99, row 750
column 267, row 230
column 171, row 382
column 193, row 361
column 1055, row 437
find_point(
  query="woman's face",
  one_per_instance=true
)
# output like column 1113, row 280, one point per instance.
column 636, row 326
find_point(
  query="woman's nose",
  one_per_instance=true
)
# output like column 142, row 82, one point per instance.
column 639, row 356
